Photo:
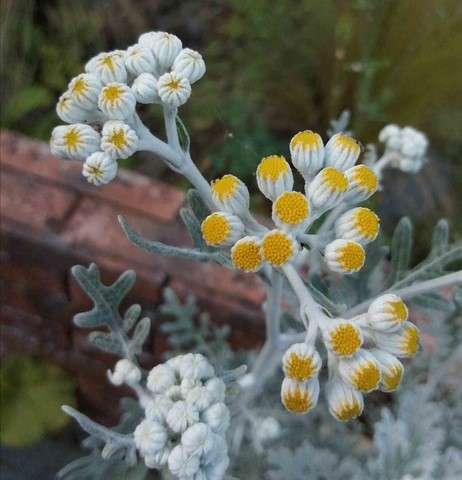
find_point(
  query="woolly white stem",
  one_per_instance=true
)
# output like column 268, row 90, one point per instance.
column 170, row 128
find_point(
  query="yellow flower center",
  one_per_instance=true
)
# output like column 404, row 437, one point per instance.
column 173, row 84
column 367, row 377
column 96, row 172
column 306, row 139
column 300, row 368
column 246, row 255
column 393, row 378
column 398, row 310
column 334, row 179
column 297, row 401
column 71, row 139
column 79, row 87
column 273, row 167
column 112, row 93
column 225, row 187
column 118, row 139
column 351, row 257
column 291, row 208
column 347, row 410
column 108, row 62
column 277, row 248
column 345, row 340
column 365, row 178
column 215, row 229
column 64, row 102
column 347, row 143
column 410, row 343
column 367, row 223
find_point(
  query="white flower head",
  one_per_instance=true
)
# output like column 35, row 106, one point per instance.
column 68, row 111
column 99, row 168
column 359, row 224
column 159, row 459
column 188, row 384
column 157, row 408
column 291, row 211
column 307, row 153
column 217, row 388
column 362, row 183
column 341, row 337
column 222, row 229
column 190, row 64
column 274, row 177
column 390, row 132
column 230, row 194
column 342, row 152
column 246, row 254
column 108, row 67
column 403, row 343
column 387, row 313
column 140, row 59
column 301, row 362
column 327, row 189
column 161, row 378
column 198, row 440
column 182, row 464
column 173, row 89
column 391, row 370
column 299, row 397
column 174, row 393
column 166, row 48
column 344, row 402
column 117, row 101
column 148, row 39
column 196, row 367
column 144, row 88
column 181, row 416
column 216, row 470
column 84, row 90
column 118, row 139
column 200, row 397
column 344, row 256
column 216, row 417
column 125, row 371
column 150, row 437
column 75, row 142
column 361, row 371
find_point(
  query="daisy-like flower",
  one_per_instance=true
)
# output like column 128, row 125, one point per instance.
column 174, row 89
column 274, row 177
column 387, row 313
column 161, row 378
column 195, row 366
column 68, row 111
column 301, row 362
column 190, row 64
column 145, row 90
column 362, row 183
column 246, row 254
column 118, row 140
column 291, row 211
column 342, row 152
column 181, row 416
column 402, row 343
column 150, row 437
column 222, row 229
column 328, row 187
column 230, row 194
column 391, row 370
column 166, row 48
column 124, row 372
column 307, row 153
column 198, row 440
column 344, row 402
column 117, row 101
column 182, row 464
column 75, row 142
column 99, row 168
column 278, row 248
column 342, row 338
column 139, row 59
column 84, row 90
column 359, row 224
column 344, row 256
column 299, row 397
column 361, row 371
column 216, row 417
column 108, row 67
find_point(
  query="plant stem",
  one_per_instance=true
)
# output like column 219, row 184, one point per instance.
column 170, row 128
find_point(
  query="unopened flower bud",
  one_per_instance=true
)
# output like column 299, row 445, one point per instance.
column 307, row 153
column 222, row 229
column 342, row 338
column 174, row 89
column 274, row 177
column 145, row 90
column 231, row 195
column 299, row 397
column 99, row 168
column 342, row 152
column 359, row 224
column 301, row 362
column 387, row 313
column 361, row 371
column 327, row 189
column 118, row 140
column 344, row 401
column 344, row 256
column 75, row 142
column 190, row 64
column 117, row 101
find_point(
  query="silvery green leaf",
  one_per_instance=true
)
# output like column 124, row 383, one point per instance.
column 107, row 342
column 340, row 124
column 142, row 329
column 320, row 298
column 433, row 301
column 194, row 229
column 131, row 316
column 231, row 376
column 183, row 134
column 400, row 250
column 198, row 205
column 440, row 239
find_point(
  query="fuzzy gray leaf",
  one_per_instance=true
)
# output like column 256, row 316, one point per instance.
column 231, row 376
column 107, row 342
column 198, row 205
column 131, row 316
column 194, row 229
column 183, row 134
column 400, row 250
column 140, row 335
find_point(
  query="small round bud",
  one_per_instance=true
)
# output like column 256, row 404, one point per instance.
column 361, row 371
column 342, row 152
column 274, row 177
column 291, row 211
column 216, row 417
column 161, row 378
column 387, row 313
column 139, row 59
column 75, row 142
column 174, row 89
column 181, row 416
column 360, row 225
column 246, row 254
column 362, row 183
column 391, row 370
column 166, row 48
column 299, row 397
column 117, row 101
column 327, row 188
column 344, row 402
column 149, row 437
column 124, row 372
column 99, row 168
column 181, row 464
column 68, row 111
column 198, row 440
column 344, row 256
column 145, row 90
column 307, row 153
column 342, row 338
column 278, row 248
column 222, row 229
column 108, row 67
column 230, row 194
column 301, row 362
column 403, row 343
column 84, row 90
column 189, row 64
column 118, row 140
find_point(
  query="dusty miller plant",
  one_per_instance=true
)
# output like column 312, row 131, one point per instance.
column 344, row 330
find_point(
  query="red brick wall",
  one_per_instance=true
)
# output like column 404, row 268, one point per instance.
column 53, row 219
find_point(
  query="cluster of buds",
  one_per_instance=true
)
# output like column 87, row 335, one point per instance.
column 100, row 104
column 406, row 146
column 353, row 368
column 186, row 418
column 331, row 177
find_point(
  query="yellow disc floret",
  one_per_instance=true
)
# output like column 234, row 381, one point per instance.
column 347, row 410
column 246, row 255
column 398, row 309
column 225, row 187
column 79, row 87
column 299, row 368
column 392, row 378
column 334, row 179
column 365, row 178
column 348, row 143
column 351, row 257
column 118, row 139
column 291, row 208
column 366, row 377
column 112, row 93
column 271, row 168
column 366, row 222
column 297, row 400
column 410, row 343
column 306, row 139
column 277, row 248
column 72, row 139
column 215, row 229
column 345, row 339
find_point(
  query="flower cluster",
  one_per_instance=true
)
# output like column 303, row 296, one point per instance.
column 186, row 418
column 100, row 104
column 331, row 178
column 407, row 146
column 353, row 369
